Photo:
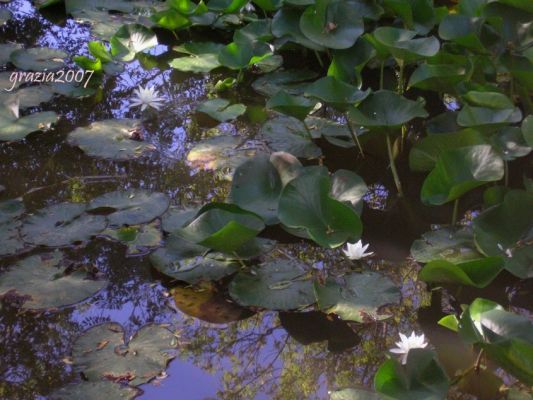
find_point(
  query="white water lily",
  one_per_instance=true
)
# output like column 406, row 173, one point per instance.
column 407, row 343
column 147, row 97
column 356, row 251
column 138, row 41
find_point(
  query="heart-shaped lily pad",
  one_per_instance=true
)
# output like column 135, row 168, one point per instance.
column 95, row 391
column 44, row 282
column 31, row 96
column 294, row 106
column 306, row 203
column 385, row 110
column 101, row 353
column 221, row 109
column 436, row 77
column 334, row 92
column 138, row 239
column 110, row 139
column 357, row 296
column 290, row 81
column 13, row 128
column 278, row 285
column 131, row 207
column 334, row 24
column 403, row 45
column 460, row 170
column 38, row 59
column 10, row 241
column 61, row 224
column 177, row 217
column 5, row 53
column 286, row 25
column 202, row 57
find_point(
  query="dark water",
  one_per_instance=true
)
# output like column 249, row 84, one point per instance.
column 266, row 355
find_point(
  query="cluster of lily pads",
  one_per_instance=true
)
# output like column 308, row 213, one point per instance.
column 377, row 64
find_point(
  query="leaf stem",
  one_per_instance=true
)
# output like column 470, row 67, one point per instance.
column 506, row 173
column 395, row 175
column 381, row 73
column 455, row 212
column 307, row 130
column 319, row 59
column 354, row 135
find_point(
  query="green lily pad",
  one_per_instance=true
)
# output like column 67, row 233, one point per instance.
column 279, row 285
column 31, row 96
column 290, row 81
column 347, row 64
column 130, row 40
column 294, row 106
column 139, row 239
column 226, row 6
column 287, row 134
column 424, row 154
column 45, row 283
column 221, row 110
column 13, row 128
column 506, row 338
column 478, row 273
column 222, row 227
column 202, row 57
column 222, row 153
column 385, row 110
column 349, row 188
column 10, row 241
column 357, row 296
column 6, row 50
column 38, row 59
column 286, row 25
column 436, row 77
column 463, row 30
column 131, row 207
column 306, row 203
column 256, row 187
column 333, row 24
column 61, row 224
column 511, row 143
column 471, row 116
column 336, row 93
column 95, row 391
column 110, row 139
column 460, row 170
column 177, row 217
column 454, row 246
column 353, row 394
column 505, row 230
column 243, row 53
column 422, row 378
column 102, row 353
column 527, row 130
column 403, row 45
column 10, row 209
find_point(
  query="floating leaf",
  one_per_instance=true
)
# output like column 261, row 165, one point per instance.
column 286, row 25
column 336, row 93
column 10, row 241
column 110, row 139
column 45, row 284
column 460, row 170
column 306, row 203
column 436, row 77
column 403, row 45
column 278, row 285
column 385, row 110
column 478, row 273
column 31, row 96
column 290, row 81
column 454, row 246
column 10, row 209
column 203, row 57
column 353, row 394
column 139, row 239
column 61, row 224
column 470, row 116
column 13, row 128
column 421, row 379
column 357, row 296
column 348, row 187
column 347, row 64
column 95, row 391
column 5, row 15
column 505, row 230
column 221, row 110
column 294, row 106
column 143, row 358
column 38, row 59
column 176, row 218
column 131, row 207
column 6, row 50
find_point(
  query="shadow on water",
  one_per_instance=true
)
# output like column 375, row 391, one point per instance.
column 225, row 352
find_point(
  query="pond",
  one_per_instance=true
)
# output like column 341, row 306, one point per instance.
column 196, row 248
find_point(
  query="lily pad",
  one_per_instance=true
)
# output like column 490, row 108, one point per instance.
column 10, row 209
column 471, row 116
column 31, row 96
column 177, row 217
column 357, row 296
column 460, row 170
column 386, row 110
column 436, row 77
column 10, row 241
column 306, row 203
column 403, row 45
column 13, row 128
column 294, row 106
column 139, row 239
column 202, row 57
column 349, row 188
column 353, row 394
column 131, row 207
column 336, row 93
column 6, row 50
column 38, row 59
column 347, row 64
column 111, row 139
column 505, row 230
column 5, row 15
column 102, row 353
column 334, row 24
column 290, row 81
column 45, row 283
column 95, row 391
column 278, row 285
column 222, row 227
column 286, row 25
column 61, row 224
column 221, row 109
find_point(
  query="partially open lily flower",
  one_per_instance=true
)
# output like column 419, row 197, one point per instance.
column 147, row 97
column 356, row 251
column 407, row 343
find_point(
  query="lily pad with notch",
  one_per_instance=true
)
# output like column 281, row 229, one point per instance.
column 95, row 391
column 221, row 109
column 138, row 239
column 13, row 127
column 357, row 296
column 45, row 281
column 291, row 81
column 38, row 59
column 202, row 57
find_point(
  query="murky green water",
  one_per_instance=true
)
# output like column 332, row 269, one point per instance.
column 243, row 355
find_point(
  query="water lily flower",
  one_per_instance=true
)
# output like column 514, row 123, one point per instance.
column 147, row 97
column 356, row 251
column 137, row 42
column 407, row 343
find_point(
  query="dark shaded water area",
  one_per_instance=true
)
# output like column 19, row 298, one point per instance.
column 243, row 355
